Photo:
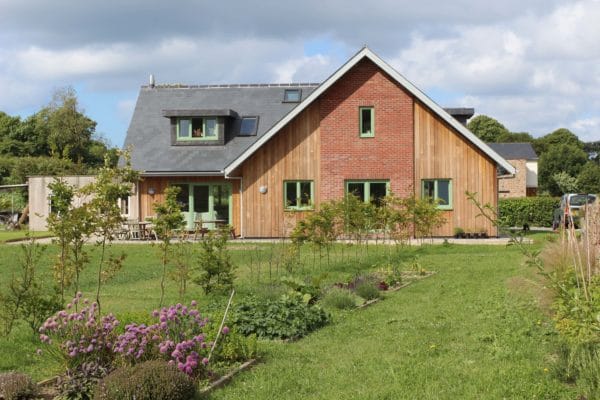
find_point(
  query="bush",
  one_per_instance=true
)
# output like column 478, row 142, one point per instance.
column 535, row 211
column 79, row 383
column 367, row 290
column 341, row 299
column 16, row 386
column 151, row 380
column 233, row 346
column 287, row 317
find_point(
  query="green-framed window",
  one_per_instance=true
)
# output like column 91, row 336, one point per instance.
column 369, row 191
column 197, row 128
column 366, row 121
column 298, row 195
column 439, row 190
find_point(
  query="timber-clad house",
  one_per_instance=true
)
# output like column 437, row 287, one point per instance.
column 262, row 156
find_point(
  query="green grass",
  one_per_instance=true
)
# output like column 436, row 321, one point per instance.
column 467, row 332
column 8, row 236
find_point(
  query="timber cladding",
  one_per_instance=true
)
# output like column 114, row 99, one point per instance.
column 442, row 153
column 292, row 154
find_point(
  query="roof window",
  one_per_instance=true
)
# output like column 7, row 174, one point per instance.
column 248, row 126
column 292, row 95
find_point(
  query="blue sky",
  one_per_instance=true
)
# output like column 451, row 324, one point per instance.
column 534, row 65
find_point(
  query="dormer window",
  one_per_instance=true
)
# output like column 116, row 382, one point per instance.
column 248, row 126
column 292, row 95
column 197, row 128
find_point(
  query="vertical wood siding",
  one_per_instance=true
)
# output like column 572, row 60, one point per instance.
column 441, row 153
column 292, row 154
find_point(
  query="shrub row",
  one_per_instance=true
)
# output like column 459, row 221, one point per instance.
column 535, row 211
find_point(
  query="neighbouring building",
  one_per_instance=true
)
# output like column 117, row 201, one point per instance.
column 523, row 157
column 262, row 156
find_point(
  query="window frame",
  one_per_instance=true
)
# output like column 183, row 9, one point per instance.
column 298, row 183
column 440, row 206
column 361, row 132
column 255, row 117
column 285, row 95
column 367, row 187
column 190, row 138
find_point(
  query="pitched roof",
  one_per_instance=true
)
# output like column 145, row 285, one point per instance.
column 365, row 52
column 149, row 127
column 515, row 151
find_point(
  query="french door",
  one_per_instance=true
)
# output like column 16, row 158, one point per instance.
column 208, row 202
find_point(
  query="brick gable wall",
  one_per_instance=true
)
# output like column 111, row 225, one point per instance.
column 344, row 154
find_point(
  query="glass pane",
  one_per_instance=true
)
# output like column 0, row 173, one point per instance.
column 211, row 127
column 305, row 195
column 357, row 189
column 366, row 121
column 443, row 192
column 196, row 127
column 428, row 189
column 291, row 194
column 377, row 191
column 292, row 95
column 201, row 199
column 184, row 128
column 248, row 126
column 183, row 197
column 221, row 202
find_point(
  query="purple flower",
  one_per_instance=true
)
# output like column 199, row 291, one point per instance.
column 194, row 303
column 225, row 330
column 205, row 361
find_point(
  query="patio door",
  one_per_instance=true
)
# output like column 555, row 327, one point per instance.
column 209, row 202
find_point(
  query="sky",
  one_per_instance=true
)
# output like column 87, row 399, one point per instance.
column 532, row 64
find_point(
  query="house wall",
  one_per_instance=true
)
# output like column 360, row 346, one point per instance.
column 441, row 153
column 39, row 197
column 292, row 154
column 159, row 184
column 344, row 154
column 515, row 186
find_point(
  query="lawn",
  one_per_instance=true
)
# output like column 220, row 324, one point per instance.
column 9, row 236
column 473, row 330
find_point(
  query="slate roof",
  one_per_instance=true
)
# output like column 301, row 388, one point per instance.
column 149, row 130
column 515, row 151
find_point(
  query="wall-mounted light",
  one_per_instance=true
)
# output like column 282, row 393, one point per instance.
column 262, row 189
column 151, row 191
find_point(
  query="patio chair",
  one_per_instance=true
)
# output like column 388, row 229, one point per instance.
column 199, row 228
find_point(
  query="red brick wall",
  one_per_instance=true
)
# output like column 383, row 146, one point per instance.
column 344, row 154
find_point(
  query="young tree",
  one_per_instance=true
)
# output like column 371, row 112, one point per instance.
column 168, row 218
column 111, row 184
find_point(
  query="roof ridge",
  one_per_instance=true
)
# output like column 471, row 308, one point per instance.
column 232, row 85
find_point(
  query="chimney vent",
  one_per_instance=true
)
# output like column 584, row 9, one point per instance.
column 152, row 83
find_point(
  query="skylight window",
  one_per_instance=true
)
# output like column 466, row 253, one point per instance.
column 292, row 95
column 248, row 126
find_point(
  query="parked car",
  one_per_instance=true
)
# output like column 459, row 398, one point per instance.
column 572, row 207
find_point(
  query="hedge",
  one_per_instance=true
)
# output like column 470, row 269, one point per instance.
column 535, row 211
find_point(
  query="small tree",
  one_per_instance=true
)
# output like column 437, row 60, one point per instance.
column 168, row 218
column 58, row 222
column 111, row 184
column 215, row 266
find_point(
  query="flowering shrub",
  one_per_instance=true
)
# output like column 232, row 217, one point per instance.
column 177, row 336
column 80, row 336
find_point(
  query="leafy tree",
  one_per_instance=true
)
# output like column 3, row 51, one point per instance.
column 70, row 130
column 566, row 158
column 216, row 268
column 560, row 136
column 565, row 182
column 515, row 137
column 110, row 185
column 487, row 129
column 168, row 219
column 589, row 178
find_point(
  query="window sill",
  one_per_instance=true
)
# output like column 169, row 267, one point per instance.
column 299, row 209
column 367, row 135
